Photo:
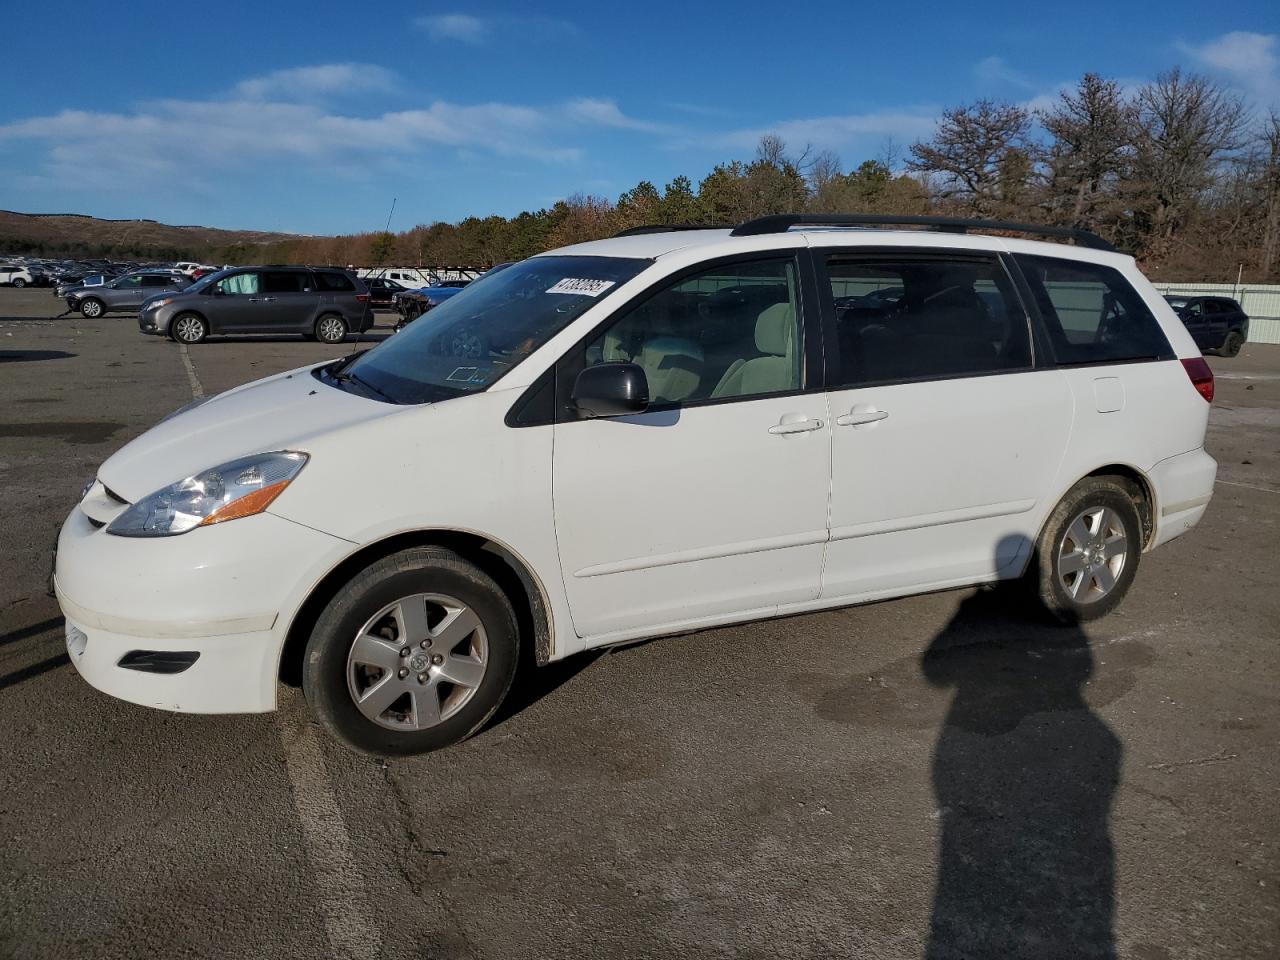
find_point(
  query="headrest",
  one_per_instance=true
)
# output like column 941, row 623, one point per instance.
column 774, row 329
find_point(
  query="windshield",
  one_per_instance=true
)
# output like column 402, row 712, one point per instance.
column 470, row 340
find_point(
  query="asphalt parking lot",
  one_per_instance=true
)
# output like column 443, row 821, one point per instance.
column 938, row 775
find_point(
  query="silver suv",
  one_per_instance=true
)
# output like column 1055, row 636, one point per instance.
column 124, row 294
column 326, row 303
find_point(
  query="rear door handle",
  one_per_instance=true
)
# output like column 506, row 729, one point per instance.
column 794, row 423
column 861, row 414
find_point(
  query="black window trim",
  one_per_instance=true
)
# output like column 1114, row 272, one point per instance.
column 823, row 255
column 568, row 365
column 1051, row 357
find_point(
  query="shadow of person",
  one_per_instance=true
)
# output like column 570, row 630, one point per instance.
column 1024, row 773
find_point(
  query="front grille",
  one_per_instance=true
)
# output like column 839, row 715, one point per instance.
column 114, row 496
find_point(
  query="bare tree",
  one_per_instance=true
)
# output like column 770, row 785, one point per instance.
column 1269, row 140
column 972, row 147
column 1186, row 124
column 1092, row 131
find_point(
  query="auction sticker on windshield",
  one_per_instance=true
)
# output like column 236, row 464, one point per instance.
column 581, row 287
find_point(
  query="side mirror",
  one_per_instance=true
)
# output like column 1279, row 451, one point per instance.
column 611, row 390
column 217, row 291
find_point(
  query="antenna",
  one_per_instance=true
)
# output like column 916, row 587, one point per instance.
column 385, row 230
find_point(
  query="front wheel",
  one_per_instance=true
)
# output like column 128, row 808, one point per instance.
column 91, row 308
column 1231, row 346
column 19, row 282
column 1087, row 554
column 331, row 329
column 189, row 328
column 414, row 654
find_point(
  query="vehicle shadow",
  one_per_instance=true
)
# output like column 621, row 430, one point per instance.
column 30, row 356
column 1025, row 774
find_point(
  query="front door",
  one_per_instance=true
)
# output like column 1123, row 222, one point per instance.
column 946, row 438
column 713, row 503
column 235, row 303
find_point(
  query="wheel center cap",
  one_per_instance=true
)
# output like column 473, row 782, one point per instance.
column 419, row 662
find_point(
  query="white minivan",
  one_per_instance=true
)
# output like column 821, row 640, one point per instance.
column 652, row 434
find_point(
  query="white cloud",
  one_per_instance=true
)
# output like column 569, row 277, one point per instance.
column 467, row 28
column 605, row 113
column 301, row 83
column 995, row 70
column 268, row 119
column 859, row 131
column 1250, row 60
column 453, row 26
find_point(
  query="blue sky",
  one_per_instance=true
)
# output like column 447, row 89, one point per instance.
column 311, row 117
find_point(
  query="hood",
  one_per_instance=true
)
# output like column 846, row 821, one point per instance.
column 284, row 412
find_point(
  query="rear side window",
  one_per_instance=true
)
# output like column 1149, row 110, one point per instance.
column 1092, row 313
column 283, row 281
column 334, row 282
column 924, row 317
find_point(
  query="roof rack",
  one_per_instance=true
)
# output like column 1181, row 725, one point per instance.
column 668, row 228
column 781, row 223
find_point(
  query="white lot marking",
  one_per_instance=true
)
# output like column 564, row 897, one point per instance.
column 1247, row 486
column 197, row 391
column 327, row 845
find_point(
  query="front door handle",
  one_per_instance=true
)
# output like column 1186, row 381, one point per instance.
column 862, row 413
column 794, row 423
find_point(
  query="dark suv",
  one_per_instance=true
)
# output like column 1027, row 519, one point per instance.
column 326, row 303
column 1217, row 324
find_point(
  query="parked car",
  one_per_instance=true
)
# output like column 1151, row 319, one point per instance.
column 382, row 291
column 1217, row 324
column 593, row 447
column 411, row 304
column 15, row 275
column 123, row 294
column 326, row 304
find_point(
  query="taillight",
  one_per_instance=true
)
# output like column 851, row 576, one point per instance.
column 364, row 298
column 1201, row 377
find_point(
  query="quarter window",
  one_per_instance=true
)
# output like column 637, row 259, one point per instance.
column 920, row 317
column 729, row 332
column 334, row 282
column 1092, row 313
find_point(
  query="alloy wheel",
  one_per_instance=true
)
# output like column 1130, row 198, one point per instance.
column 1092, row 554
column 332, row 330
column 189, row 329
column 417, row 661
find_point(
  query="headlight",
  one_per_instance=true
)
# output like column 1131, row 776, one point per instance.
column 157, row 304
column 237, row 489
column 189, row 405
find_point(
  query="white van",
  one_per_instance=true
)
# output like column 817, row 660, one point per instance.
column 646, row 435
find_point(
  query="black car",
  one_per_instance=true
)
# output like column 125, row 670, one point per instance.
column 1217, row 324
column 382, row 291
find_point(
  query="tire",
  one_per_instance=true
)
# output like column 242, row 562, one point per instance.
column 1231, row 346
column 355, row 650
column 19, row 283
column 1100, row 511
column 331, row 328
column 91, row 308
column 189, row 328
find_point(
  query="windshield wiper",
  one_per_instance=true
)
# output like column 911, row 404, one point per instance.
column 353, row 378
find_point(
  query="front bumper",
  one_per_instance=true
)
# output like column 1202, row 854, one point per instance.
column 225, row 593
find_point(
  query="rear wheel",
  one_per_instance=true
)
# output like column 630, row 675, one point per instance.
column 331, row 328
column 412, row 655
column 91, row 307
column 19, row 282
column 189, row 328
column 1231, row 346
column 1087, row 554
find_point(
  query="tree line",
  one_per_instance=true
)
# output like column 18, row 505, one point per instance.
column 1178, row 172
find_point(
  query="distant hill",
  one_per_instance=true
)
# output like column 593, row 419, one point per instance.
column 76, row 235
